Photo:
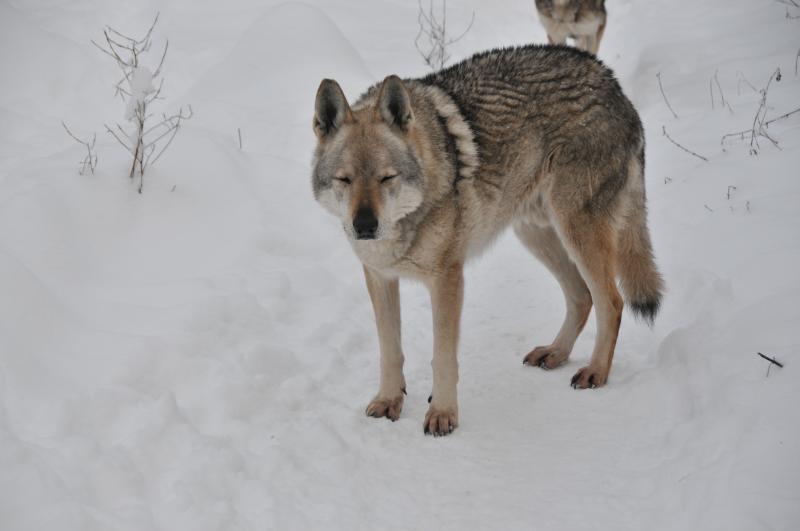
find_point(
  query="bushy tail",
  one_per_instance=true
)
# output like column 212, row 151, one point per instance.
column 641, row 283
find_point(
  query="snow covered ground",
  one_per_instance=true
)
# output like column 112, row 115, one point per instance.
column 199, row 357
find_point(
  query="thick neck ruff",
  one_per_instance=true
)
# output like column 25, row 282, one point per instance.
column 457, row 128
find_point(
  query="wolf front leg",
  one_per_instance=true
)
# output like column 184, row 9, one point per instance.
column 385, row 296
column 447, row 295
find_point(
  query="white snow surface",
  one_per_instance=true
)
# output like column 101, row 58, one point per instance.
column 199, row 357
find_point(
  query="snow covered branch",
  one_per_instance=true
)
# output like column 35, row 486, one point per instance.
column 434, row 48
column 139, row 88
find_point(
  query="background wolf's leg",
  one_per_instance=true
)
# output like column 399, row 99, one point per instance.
column 385, row 296
column 544, row 243
column 447, row 295
column 590, row 43
column 595, row 42
column 557, row 38
column 590, row 243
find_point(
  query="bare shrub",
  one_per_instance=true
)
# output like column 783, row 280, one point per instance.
column 432, row 40
column 140, row 87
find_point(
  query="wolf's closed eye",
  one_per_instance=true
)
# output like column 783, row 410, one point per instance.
column 345, row 180
column 388, row 178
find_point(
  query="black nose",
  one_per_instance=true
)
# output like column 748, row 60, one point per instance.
column 365, row 224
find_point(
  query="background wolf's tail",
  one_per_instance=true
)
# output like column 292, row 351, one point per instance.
column 641, row 283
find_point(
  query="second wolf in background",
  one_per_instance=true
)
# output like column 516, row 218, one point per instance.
column 582, row 20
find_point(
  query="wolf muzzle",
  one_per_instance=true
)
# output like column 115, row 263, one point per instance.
column 365, row 224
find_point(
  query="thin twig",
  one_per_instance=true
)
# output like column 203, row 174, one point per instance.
column 766, row 124
column 78, row 140
column 174, row 129
column 123, row 144
column 782, row 116
column 711, row 92
column 661, row 87
column 771, row 360
column 664, row 130
column 163, row 56
column 239, row 131
column 141, row 41
column 796, row 59
column 739, row 83
column 164, row 148
column 90, row 160
column 721, row 94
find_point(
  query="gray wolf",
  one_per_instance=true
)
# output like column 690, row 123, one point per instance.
column 425, row 173
column 582, row 20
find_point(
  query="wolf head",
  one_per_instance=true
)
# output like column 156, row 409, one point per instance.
column 366, row 170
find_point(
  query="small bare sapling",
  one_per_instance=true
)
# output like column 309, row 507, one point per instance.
column 760, row 125
column 432, row 40
column 140, row 87
column 89, row 162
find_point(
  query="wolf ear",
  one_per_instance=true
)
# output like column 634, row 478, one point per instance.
column 394, row 103
column 331, row 109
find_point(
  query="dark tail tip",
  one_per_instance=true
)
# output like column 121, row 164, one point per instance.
column 646, row 310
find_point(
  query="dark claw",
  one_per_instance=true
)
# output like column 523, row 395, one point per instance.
column 574, row 382
column 404, row 391
column 430, row 397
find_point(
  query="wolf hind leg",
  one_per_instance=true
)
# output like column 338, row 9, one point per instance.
column 545, row 244
column 591, row 244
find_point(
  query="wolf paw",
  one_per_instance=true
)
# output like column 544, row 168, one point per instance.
column 547, row 358
column 440, row 422
column 385, row 407
column 589, row 377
